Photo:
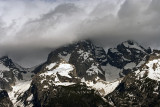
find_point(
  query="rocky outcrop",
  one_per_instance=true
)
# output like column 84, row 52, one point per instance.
column 9, row 72
column 86, row 57
column 4, row 99
column 78, row 95
column 126, row 52
column 7, row 77
column 127, row 56
column 141, row 87
column 58, row 85
column 73, row 76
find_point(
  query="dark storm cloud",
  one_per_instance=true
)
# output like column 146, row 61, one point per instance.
column 30, row 29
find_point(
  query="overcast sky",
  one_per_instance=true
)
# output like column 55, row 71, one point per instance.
column 30, row 29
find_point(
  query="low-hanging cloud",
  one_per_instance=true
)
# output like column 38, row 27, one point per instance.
column 29, row 29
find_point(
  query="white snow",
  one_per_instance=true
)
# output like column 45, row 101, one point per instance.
column 19, row 88
column 93, row 70
column 130, row 95
column 64, row 74
column 49, row 67
column 5, row 79
column 85, row 55
column 156, row 88
column 134, row 46
column 3, row 67
column 128, row 51
column 152, row 73
column 45, row 86
column 104, row 87
column 63, row 69
column 83, row 79
column 30, row 97
column 80, row 51
column 64, row 83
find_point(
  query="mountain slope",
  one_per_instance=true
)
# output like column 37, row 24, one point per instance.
column 86, row 57
column 8, row 73
column 140, row 88
column 122, row 60
column 83, row 75
column 58, row 85
column 4, row 99
column 13, row 78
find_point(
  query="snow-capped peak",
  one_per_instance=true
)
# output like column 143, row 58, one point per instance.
column 151, row 69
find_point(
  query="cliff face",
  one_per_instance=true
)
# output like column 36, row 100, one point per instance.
column 141, row 87
column 4, row 99
column 86, row 57
column 58, row 85
column 83, row 75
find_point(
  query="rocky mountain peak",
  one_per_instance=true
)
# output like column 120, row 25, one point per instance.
column 141, row 87
column 6, row 61
column 11, row 72
column 83, row 73
column 124, row 58
column 126, row 52
column 130, row 44
column 4, row 58
column 84, row 55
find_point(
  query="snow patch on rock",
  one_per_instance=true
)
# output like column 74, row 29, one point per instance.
column 3, row 67
column 93, row 70
column 104, row 87
column 49, row 67
column 152, row 70
column 63, row 69
column 18, row 89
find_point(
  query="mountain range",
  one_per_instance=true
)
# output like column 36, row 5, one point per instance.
column 82, row 74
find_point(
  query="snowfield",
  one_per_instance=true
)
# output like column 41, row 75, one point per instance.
column 3, row 68
column 104, row 87
column 152, row 70
column 63, row 69
column 18, row 89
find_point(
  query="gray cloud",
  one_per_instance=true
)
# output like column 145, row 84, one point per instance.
column 29, row 29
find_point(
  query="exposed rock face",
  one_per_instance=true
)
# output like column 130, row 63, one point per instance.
column 8, row 72
column 4, row 99
column 77, row 95
column 86, row 58
column 59, row 86
column 127, row 56
column 12, row 76
column 101, row 55
column 126, row 52
column 73, row 76
column 140, row 88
